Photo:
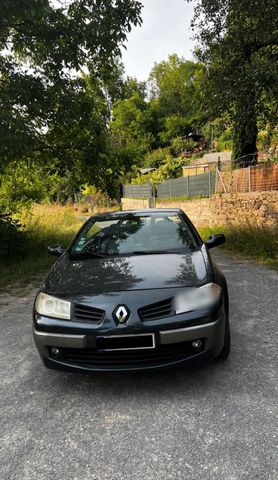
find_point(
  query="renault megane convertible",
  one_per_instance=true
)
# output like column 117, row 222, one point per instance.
column 135, row 290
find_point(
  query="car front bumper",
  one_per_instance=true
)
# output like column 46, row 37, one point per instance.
column 173, row 347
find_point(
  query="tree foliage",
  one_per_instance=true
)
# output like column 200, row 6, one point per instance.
column 172, row 83
column 44, row 50
column 152, row 115
column 238, row 42
column 131, row 129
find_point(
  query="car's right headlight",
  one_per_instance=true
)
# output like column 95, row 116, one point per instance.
column 194, row 298
column 52, row 306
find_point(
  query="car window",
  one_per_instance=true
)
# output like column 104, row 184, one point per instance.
column 135, row 234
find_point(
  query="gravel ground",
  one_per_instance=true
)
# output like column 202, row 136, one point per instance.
column 216, row 421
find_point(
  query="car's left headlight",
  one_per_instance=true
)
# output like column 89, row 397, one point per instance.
column 52, row 306
column 195, row 298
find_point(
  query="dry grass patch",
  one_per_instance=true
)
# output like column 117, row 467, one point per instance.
column 44, row 225
column 253, row 242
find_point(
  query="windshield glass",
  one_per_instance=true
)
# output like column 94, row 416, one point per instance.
column 135, row 234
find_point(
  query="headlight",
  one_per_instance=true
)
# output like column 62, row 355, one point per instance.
column 196, row 298
column 52, row 306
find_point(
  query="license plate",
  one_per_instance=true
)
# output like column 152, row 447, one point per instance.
column 111, row 343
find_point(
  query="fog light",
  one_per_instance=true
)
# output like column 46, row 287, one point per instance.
column 55, row 351
column 197, row 344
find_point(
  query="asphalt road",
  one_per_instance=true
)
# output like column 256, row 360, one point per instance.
column 216, row 421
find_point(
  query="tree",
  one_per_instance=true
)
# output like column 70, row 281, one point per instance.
column 174, row 126
column 44, row 50
column 131, row 129
column 238, row 44
column 174, row 98
column 132, row 86
column 172, row 83
column 77, row 130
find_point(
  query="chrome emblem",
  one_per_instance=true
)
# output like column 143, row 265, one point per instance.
column 121, row 313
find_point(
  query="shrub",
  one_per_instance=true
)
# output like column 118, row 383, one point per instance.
column 11, row 238
column 156, row 157
column 170, row 168
column 181, row 144
column 225, row 141
column 24, row 254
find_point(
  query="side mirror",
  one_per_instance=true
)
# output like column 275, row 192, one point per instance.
column 215, row 240
column 56, row 250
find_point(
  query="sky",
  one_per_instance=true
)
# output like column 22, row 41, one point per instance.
column 165, row 30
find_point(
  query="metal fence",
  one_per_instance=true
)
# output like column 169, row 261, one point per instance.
column 252, row 160
column 192, row 186
column 143, row 190
column 250, row 179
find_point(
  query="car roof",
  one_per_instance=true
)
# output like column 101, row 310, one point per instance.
column 148, row 211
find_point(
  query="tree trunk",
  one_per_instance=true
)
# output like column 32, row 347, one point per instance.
column 245, row 131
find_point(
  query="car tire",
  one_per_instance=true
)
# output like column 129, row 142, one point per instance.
column 227, row 342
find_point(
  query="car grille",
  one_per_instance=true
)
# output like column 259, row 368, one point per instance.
column 157, row 310
column 161, row 355
column 84, row 313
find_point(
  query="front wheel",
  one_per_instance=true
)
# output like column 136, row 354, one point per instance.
column 227, row 342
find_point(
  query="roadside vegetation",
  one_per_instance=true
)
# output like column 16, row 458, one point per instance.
column 252, row 242
column 27, row 259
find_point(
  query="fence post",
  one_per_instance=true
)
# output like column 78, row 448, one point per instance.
column 209, row 185
column 220, row 178
column 170, row 187
column 152, row 190
column 187, row 183
column 249, row 178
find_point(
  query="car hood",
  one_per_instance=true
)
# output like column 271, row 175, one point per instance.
column 100, row 275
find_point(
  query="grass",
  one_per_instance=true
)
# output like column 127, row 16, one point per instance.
column 252, row 242
column 177, row 199
column 45, row 225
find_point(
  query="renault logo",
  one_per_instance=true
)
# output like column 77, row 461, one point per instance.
column 121, row 313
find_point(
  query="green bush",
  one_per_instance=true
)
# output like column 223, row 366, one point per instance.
column 27, row 182
column 181, row 144
column 23, row 245
column 225, row 141
column 11, row 238
column 156, row 157
column 170, row 168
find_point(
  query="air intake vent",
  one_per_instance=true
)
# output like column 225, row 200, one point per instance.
column 83, row 313
column 156, row 310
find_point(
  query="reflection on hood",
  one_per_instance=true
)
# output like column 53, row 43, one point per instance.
column 99, row 275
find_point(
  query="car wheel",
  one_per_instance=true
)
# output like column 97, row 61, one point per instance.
column 227, row 342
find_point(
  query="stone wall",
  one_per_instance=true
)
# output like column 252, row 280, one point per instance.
column 255, row 208
column 137, row 203
column 199, row 211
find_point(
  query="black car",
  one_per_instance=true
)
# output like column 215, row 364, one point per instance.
column 135, row 290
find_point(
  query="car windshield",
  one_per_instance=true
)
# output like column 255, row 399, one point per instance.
column 134, row 234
